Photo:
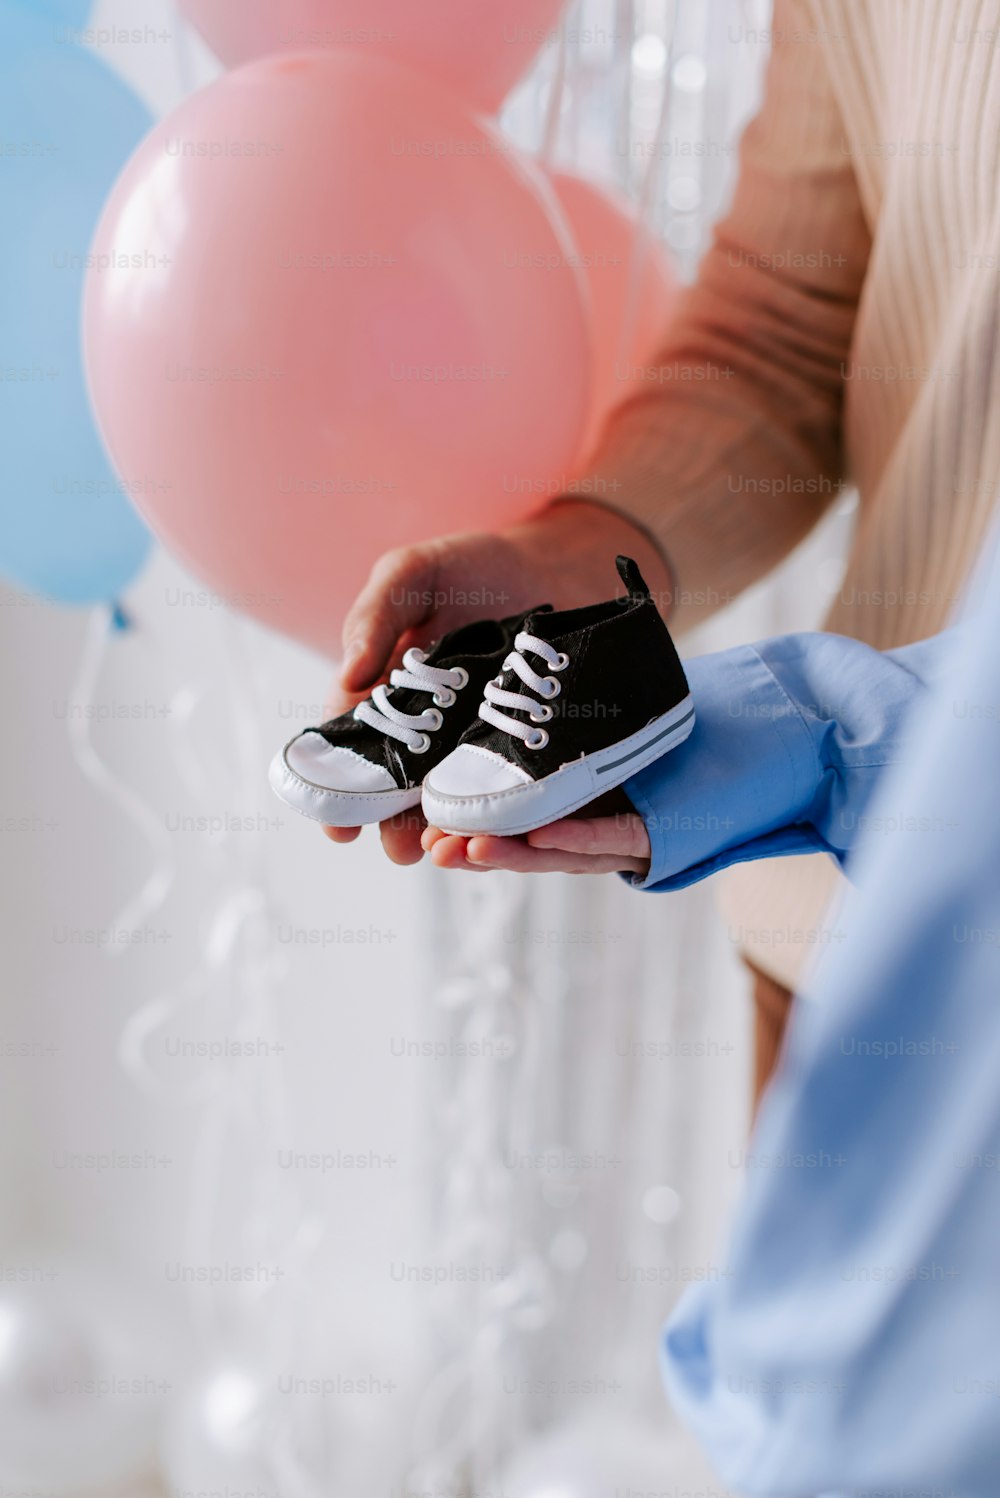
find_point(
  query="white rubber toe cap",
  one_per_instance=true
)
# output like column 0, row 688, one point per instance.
column 471, row 771
column 333, row 768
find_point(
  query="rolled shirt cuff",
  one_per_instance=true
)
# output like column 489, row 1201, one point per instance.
column 734, row 791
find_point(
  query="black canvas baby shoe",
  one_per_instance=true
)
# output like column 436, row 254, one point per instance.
column 585, row 699
column 369, row 763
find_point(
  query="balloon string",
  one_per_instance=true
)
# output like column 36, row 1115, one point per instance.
column 254, row 1102
column 651, row 176
column 621, row 68
column 220, row 946
column 479, row 1213
column 224, row 931
column 235, row 976
column 642, row 244
column 553, row 114
column 142, row 816
column 182, row 53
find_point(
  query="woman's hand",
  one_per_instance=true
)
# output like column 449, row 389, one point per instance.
column 564, row 556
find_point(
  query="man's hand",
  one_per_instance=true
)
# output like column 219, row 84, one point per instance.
column 592, row 845
column 564, row 556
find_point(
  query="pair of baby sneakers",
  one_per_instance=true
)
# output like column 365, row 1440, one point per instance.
column 503, row 725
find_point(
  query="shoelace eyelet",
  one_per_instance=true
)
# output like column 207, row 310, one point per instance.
column 545, row 716
column 442, row 684
column 536, row 739
column 561, row 663
column 554, row 687
column 448, row 696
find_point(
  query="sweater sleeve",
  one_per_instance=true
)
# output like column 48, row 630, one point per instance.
column 790, row 740
column 731, row 448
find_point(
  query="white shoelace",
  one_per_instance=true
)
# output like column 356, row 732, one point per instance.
column 412, row 728
column 546, row 687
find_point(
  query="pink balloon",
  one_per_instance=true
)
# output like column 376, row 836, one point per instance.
column 633, row 290
column 480, row 48
column 323, row 332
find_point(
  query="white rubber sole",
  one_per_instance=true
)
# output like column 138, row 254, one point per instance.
column 522, row 808
column 336, row 808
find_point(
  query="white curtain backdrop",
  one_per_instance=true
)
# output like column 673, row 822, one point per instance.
column 448, row 1147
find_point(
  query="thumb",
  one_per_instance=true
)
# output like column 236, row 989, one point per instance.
column 398, row 596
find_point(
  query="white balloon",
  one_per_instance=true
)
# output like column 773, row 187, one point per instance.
column 232, row 1430
column 78, row 1405
column 593, row 1456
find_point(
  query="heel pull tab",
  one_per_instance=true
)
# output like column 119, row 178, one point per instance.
column 633, row 579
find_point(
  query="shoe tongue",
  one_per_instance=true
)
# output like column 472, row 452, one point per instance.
column 539, row 621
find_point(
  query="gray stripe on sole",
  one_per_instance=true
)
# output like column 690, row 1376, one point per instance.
column 603, row 770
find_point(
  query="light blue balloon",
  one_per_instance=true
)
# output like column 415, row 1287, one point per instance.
column 68, row 13
column 67, row 126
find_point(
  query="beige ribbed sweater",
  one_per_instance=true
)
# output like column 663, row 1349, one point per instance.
column 844, row 326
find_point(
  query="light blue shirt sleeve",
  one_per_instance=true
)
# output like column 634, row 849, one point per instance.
column 854, row 1344
column 790, row 738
